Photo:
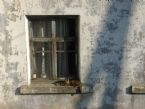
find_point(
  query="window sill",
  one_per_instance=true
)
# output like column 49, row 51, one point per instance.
column 138, row 89
column 51, row 89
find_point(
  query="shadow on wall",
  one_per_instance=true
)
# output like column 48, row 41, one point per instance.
column 107, row 63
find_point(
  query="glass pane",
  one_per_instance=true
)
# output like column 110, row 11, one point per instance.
column 66, row 65
column 41, row 28
column 60, row 45
column 62, row 65
column 71, row 23
column 48, row 65
column 36, row 29
column 61, row 28
column 38, row 64
column 42, row 58
column 65, row 28
column 48, row 29
column 71, row 58
column 43, row 64
column 70, row 46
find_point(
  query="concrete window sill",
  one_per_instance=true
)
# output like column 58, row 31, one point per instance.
column 51, row 89
column 138, row 89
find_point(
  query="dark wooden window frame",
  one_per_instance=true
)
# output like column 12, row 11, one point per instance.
column 53, row 39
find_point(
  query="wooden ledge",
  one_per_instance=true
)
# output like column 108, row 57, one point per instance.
column 51, row 89
column 138, row 89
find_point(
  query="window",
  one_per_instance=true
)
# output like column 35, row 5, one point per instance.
column 53, row 47
column 53, row 43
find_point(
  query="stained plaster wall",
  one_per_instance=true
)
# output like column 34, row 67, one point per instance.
column 112, row 53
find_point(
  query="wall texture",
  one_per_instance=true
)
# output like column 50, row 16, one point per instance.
column 112, row 53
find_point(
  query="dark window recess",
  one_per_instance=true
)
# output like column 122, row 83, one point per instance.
column 54, row 47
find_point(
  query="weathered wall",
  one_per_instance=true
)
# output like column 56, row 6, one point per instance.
column 112, row 53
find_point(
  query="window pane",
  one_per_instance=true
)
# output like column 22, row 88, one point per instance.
column 71, row 23
column 70, row 46
column 62, row 65
column 43, row 64
column 41, row 28
column 38, row 64
column 36, row 29
column 65, row 28
column 48, row 29
column 42, row 58
column 48, row 65
column 66, row 65
column 71, row 58
column 61, row 28
column 60, row 45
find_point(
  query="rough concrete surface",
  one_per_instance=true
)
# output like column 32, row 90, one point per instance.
column 112, row 53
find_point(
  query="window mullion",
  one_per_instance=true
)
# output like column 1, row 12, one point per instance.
column 43, row 73
column 54, row 55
